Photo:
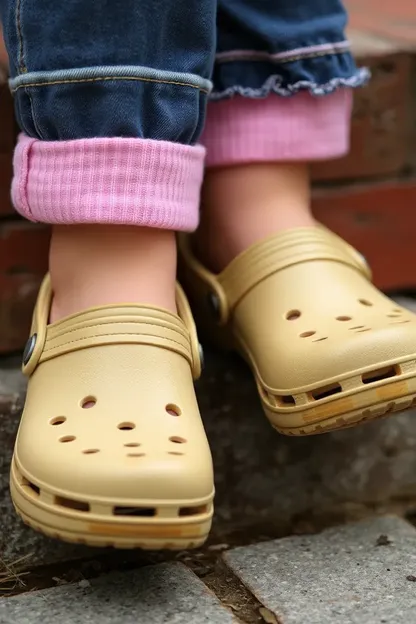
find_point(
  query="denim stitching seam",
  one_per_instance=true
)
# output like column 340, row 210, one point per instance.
column 32, row 110
column 20, row 115
column 284, row 57
column 290, row 59
column 107, row 78
column 312, row 55
column 22, row 65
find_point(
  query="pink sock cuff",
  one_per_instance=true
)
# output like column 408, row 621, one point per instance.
column 303, row 127
column 119, row 181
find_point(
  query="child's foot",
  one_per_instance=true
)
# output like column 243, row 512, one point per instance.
column 96, row 265
column 327, row 349
column 243, row 205
column 111, row 449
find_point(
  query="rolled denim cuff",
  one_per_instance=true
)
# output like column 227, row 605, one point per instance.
column 301, row 128
column 118, row 181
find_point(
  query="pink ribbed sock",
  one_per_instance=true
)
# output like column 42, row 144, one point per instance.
column 303, row 128
column 119, row 181
column 157, row 183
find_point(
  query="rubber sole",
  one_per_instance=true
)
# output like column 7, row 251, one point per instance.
column 342, row 404
column 357, row 399
column 106, row 530
column 352, row 419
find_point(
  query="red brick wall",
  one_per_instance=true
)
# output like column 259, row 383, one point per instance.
column 23, row 246
column 369, row 197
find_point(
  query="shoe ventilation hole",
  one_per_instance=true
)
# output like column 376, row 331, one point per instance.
column 132, row 444
column 292, row 315
column 88, row 402
column 356, row 327
column 320, row 339
column 175, row 453
column 147, row 512
column 58, row 420
column 34, row 489
column 380, row 374
column 360, row 331
column 398, row 322
column 365, row 302
column 69, row 503
column 395, row 315
column 173, row 410
column 177, row 440
column 91, row 451
column 285, row 400
column 126, row 426
column 68, row 438
column 136, row 454
column 344, row 318
column 307, row 334
column 193, row 511
column 326, row 391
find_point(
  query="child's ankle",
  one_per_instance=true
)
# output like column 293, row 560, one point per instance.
column 244, row 204
column 94, row 265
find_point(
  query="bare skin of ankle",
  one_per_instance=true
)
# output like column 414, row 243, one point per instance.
column 94, row 265
column 244, row 204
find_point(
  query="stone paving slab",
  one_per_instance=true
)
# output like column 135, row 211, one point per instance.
column 354, row 574
column 162, row 594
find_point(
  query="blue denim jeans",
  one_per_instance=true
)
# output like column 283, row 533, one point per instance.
column 105, row 68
